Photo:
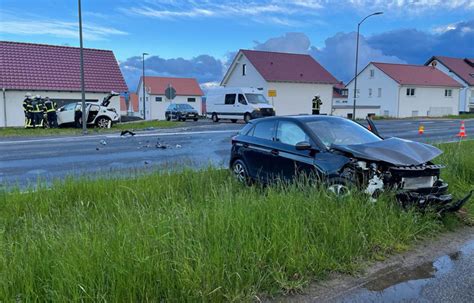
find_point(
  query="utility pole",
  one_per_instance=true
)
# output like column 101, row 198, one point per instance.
column 83, row 90
column 357, row 61
column 143, row 84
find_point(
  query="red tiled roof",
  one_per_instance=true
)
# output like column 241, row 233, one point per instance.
column 183, row 86
column 28, row 66
column 406, row 74
column 285, row 67
column 463, row 68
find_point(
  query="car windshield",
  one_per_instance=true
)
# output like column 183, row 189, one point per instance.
column 256, row 98
column 184, row 106
column 341, row 132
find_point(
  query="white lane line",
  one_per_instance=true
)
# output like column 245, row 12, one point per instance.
column 71, row 139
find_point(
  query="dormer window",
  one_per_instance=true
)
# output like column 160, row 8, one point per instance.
column 244, row 69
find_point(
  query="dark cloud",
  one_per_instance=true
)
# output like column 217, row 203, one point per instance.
column 289, row 43
column 204, row 68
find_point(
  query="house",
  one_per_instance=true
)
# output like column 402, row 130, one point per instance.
column 54, row 71
column 156, row 103
column 290, row 81
column 129, row 108
column 461, row 70
column 403, row 90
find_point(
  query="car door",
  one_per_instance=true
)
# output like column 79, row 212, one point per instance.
column 290, row 160
column 66, row 113
column 258, row 150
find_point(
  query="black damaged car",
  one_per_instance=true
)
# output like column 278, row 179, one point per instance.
column 343, row 154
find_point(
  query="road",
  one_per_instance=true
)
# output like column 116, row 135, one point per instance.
column 25, row 160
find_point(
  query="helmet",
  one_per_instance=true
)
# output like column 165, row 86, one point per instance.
column 28, row 95
column 46, row 98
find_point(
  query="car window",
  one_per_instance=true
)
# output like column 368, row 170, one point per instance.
column 242, row 99
column 94, row 108
column 171, row 107
column 341, row 132
column 256, row 98
column 246, row 130
column 290, row 133
column 230, row 99
column 70, row 106
column 264, row 130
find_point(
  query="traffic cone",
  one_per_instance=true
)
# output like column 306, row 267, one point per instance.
column 462, row 131
column 421, row 129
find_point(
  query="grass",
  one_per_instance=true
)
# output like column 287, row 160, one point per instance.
column 22, row 132
column 198, row 236
column 460, row 117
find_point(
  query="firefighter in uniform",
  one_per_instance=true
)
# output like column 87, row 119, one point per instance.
column 317, row 105
column 27, row 110
column 49, row 108
column 37, row 111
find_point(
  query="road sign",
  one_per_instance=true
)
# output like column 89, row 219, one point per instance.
column 272, row 93
column 170, row 93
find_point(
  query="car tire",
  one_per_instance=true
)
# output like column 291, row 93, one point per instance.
column 340, row 187
column 103, row 122
column 240, row 172
column 247, row 117
column 215, row 119
column 195, row 119
column 233, row 120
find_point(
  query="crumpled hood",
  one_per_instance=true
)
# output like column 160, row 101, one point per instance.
column 395, row 151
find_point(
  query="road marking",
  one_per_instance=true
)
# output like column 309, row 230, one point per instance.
column 71, row 139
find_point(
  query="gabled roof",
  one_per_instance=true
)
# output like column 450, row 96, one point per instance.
column 406, row 74
column 286, row 67
column 337, row 89
column 28, row 66
column 463, row 68
column 183, row 86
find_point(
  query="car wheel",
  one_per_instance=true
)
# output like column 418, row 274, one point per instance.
column 240, row 171
column 340, row 187
column 215, row 118
column 195, row 119
column 247, row 118
column 233, row 120
column 103, row 122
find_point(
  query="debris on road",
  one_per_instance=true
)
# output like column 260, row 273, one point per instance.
column 178, row 146
column 103, row 142
column 127, row 133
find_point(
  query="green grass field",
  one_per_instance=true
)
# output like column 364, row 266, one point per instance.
column 22, row 132
column 199, row 236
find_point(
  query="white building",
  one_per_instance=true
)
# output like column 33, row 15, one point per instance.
column 291, row 81
column 403, row 90
column 156, row 103
column 53, row 71
column 461, row 70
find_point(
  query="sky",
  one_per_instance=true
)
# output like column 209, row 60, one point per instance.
column 194, row 38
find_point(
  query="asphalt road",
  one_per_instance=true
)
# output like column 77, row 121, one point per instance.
column 25, row 160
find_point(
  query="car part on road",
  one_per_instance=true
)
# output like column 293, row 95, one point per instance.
column 125, row 133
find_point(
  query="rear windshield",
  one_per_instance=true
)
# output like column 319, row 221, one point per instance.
column 341, row 132
column 256, row 98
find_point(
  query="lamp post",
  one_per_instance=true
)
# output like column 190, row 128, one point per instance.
column 143, row 85
column 357, row 61
column 83, row 91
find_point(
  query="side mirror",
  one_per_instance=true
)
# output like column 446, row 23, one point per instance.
column 304, row 145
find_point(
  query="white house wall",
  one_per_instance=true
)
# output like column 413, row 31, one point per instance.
column 297, row 98
column 14, row 103
column 252, row 77
column 464, row 94
column 428, row 101
column 389, row 97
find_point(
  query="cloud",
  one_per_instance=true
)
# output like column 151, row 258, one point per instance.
column 36, row 25
column 288, row 43
column 204, row 68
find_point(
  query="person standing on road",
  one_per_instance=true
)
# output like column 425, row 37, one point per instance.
column 49, row 108
column 27, row 110
column 37, row 111
column 78, row 116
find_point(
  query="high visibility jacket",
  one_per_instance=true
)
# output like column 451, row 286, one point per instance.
column 37, row 105
column 49, row 106
column 27, row 104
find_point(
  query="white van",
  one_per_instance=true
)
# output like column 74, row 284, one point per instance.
column 234, row 103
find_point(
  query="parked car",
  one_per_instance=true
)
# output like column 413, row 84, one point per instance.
column 344, row 155
column 97, row 114
column 236, row 103
column 181, row 112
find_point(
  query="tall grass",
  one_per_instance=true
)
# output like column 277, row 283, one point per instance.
column 194, row 236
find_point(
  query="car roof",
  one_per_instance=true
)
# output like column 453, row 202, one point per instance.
column 301, row 118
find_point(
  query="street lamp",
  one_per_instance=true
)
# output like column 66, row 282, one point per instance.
column 357, row 61
column 83, row 90
column 143, row 84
